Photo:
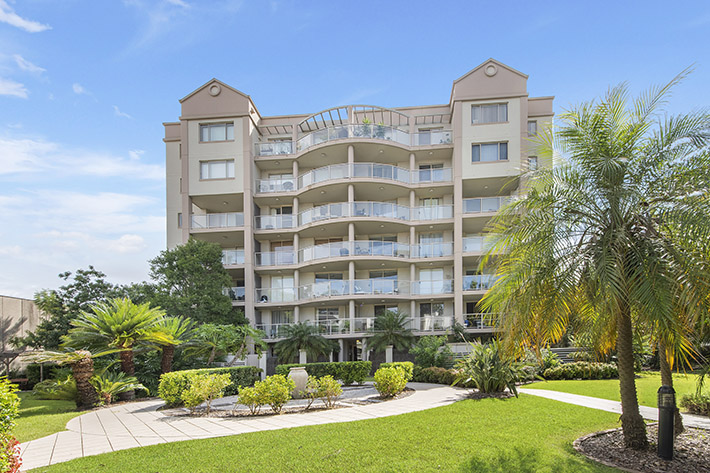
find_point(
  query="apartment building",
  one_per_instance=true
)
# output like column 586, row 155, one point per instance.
column 334, row 217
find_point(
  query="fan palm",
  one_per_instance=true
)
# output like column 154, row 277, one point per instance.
column 301, row 336
column 610, row 234
column 177, row 331
column 119, row 324
column 391, row 329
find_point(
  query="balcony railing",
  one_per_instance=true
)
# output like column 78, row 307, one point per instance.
column 274, row 148
column 274, row 222
column 275, row 258
column 435, row 212
column 274, row 330
column 362, row 325
column 236, row 293
column 432, row 323
column 324, row 289
column 473, row 244
column 432, row 250
column 217, row 220
column 433, row 137
column 481, row 320
column 280, row 294
column 478, row 282
column 375, row 286
column 484, row 204
column 380, row 248
column 445, row 286
column 363, row 131
column 324, row 251
column 232, row 257
column 354, row 171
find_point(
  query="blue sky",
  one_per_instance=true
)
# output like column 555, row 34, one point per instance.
column 85, row 86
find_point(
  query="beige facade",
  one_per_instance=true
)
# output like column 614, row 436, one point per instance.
column 18, row 317
column 333, row 217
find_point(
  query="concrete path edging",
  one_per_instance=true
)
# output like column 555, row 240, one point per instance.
column 138, row 424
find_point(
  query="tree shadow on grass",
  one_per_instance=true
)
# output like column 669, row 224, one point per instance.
column 525, row 460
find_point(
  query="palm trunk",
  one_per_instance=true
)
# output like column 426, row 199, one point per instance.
column 213, row 353
column 128, row 367
column 667, row 380
column 632, row 423
column 166, row 362
column 82, row 371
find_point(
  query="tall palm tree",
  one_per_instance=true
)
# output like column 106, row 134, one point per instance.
column 301, row 336
column 391, row 329
column 610, row 234
column 118, row 324
column 177, row 331
column 81, row 363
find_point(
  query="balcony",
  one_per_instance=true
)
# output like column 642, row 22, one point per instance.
column 275, row 258
column 276, row 295
column 275, row 222
column 479, row 282
column 432, row 250
column 273, row 148
column 232, row 257
column 380, row 248
column 432, row 323
column 273, row 331
column 378, row 287
column 420, row 288
column 236, row 293
column 434, row 212
column 482, row 321
column 376, row 171
column 479, row 205
column 433, row 137
column 324, row 251
column 324, row 289
column 362, row 325
column 217, row 220
column 365, row 131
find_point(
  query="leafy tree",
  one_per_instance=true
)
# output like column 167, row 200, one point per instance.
column 119, row 324
column 84, row 288
column 301, row 336
column 432, row 351
column 177, row 331
column 611, row 233
column 212, row 341
column 391, row 329
column 190, row 281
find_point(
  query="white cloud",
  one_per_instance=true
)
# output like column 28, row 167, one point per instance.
column 119, row 113
column 26, row 65
column 39, row 156
column 10, row 87
column 79, row 89
column 178, row 3
column 7, row 15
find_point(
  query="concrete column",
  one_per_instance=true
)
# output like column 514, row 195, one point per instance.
column 412, row 163
column 351, row 276
column 351, row 232
column 413, row 310
column 351, row 314
column 294, row 204
column 456, row 162
column 365, row 350
column 331, row 357
column 248, row 203
column 412, row 236
column 341, row 353
column 351, row 193
column 389, row 354
column 297, row 314
column 295, row 172
column 351, row 154
column 302, row 357
column 262, row 365
column 412, row 199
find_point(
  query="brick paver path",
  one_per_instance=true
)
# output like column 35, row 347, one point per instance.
column 138, row 424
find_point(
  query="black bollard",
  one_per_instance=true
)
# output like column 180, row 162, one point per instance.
column 666, row 413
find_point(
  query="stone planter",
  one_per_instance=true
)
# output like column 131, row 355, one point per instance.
column 300, row 377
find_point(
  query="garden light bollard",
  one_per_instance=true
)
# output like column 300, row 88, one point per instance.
column 666, row 413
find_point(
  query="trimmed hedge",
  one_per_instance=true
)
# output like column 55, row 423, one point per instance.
column 437, row 375
column 174, row 383
column 348, row 372
column 406, row 366
column 582, row 370
column 696, row 404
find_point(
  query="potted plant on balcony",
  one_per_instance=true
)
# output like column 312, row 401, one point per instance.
column 380, row 131
column 365, row 128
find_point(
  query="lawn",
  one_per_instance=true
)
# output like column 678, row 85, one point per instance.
column 528, row 434
column 41, row 418
column 647, row 385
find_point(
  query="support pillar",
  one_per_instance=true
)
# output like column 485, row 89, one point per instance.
column 341, row 353
column 302, row 357
column 389, row 354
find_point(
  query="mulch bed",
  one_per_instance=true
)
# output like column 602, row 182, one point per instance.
column 691, row 451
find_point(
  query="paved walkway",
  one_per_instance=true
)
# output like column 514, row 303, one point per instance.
column 650, row 413
column 138, row 424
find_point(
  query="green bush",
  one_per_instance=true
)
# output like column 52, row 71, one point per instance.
column 582, row 355
column 432, row 351
column 250, row 397
column 582, row 370
column 434, row 374
column 326, row 388
column 488, row 369
column 9, row 410
column 204, row 388
column 174, row 383
column 549, row 360
column 406, row 366
column 109, row 384
column 275, row 391
column 348, row 372
column 390, row 381
column 696, row 404
column 32, row 372
column 56, row 389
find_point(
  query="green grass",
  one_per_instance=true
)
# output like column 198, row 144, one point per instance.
column 41, row 418
column 646, row 386
column 528, row 434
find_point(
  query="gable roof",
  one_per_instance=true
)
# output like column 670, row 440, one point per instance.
column 209, row 83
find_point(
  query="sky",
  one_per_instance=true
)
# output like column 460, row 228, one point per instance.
column 86, row 85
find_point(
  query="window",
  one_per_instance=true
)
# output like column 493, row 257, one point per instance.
column 494, row 113
column 281, row 316
column 431, row 310
column 179, row 220
column 489, row 152
column 425, row 135
column 217, row 132
column 532, row 128
column 327, row 313
column 217, row 169
column 429, row 173
column 381, row 309
column 532, row 163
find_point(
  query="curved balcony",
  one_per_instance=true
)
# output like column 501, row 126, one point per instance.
column 275, row 258
column 374, row 171
column 276, row 295
column 361, row 325
column 272, row 222
column 217, row 220
column 273, row 148
column 432, row 250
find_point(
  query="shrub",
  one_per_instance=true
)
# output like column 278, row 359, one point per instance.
column 435, row 375
column 390, row 381
column 61, row 389
column 432, row 351
column 109, row 384
column 582, row 355
column 488, row 369
column 174, row 383
column 582, row 370
column 9, row 410
column 696, row 404
column 275, row 391
column 250, row 397
column 204, row 388
column 32, row 372
column 329, row 390
column 348, row 372
column 406, row 366
column 549, row 360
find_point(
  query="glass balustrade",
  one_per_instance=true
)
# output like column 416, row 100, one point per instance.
column 434, row 212
column 380, row 209
column 473, row 244
column 431, row 324
column 432, row 137
column 275, row 258
column 333, row 326
column 381, row 171
column 327, row 250
column 478, row 282
column 324, row 289
column 380, row 248
column 271, row 222
column 280, row 294
column 363, row 324
column 380, row 286
column 445, row 286
column 232, row 257
column 217, row 220
column 236, row 293
column 324, row 212
column 326, row 173
column 432, row 175
column 432, row 250
column 484, row 204
column 274, row 330
column 273, row 148
column 482, row 320
column 371, row 131
column 275, row 185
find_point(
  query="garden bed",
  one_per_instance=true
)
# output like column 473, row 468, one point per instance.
column 691, row 451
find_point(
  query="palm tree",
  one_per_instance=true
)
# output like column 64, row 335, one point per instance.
column 610, row 234
column 391, row 329
column 81, row 363
column 301, row 336
column 248, row 334
column 118, row 324
column 178, row 330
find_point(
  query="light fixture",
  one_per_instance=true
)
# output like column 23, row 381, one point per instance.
column 485, row 187
column 322, row 229
column 323, row 154
column 277, row 163
column 431, row 190
column 381, row 151
column 277, row 199
column 430, row 153
column 322, row 192
column 224, row 237
column 431, row 226
column 382, row 188
column 278, row 236
column 382, row 226
column 324, row 267
column 382, row 264
column 225, row 202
